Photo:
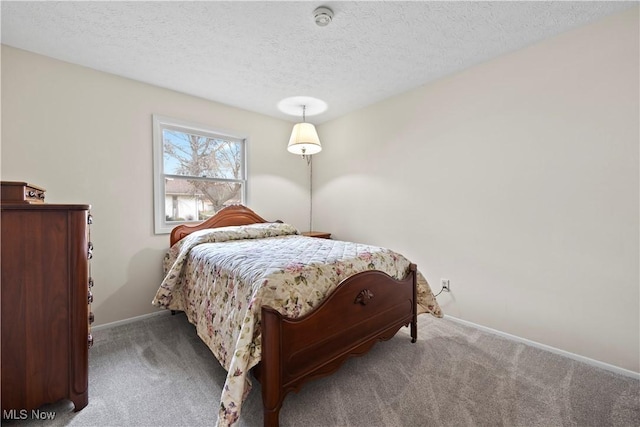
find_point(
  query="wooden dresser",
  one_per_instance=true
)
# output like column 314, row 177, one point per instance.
column 45, row 300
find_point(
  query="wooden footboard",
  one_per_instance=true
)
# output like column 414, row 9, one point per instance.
column 364, row 309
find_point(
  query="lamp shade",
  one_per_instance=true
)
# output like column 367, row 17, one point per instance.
column 304, row 140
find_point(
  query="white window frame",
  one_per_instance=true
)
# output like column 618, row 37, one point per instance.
column 161, row 226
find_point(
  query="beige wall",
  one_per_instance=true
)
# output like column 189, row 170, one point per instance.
column 517, row 180
column 85, row 136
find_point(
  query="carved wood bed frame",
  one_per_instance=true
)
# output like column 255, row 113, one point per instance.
column 365, row 308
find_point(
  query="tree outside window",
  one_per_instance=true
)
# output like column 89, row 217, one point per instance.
column 198, row 172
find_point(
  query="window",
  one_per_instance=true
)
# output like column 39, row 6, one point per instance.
column 197, row 172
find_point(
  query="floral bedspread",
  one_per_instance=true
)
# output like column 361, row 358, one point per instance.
column 222, row 277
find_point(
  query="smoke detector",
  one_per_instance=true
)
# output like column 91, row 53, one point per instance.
column 323, row 16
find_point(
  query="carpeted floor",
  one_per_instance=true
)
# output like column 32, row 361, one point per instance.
column 157, row 372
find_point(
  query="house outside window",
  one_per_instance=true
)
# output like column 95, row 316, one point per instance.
column 197, row 172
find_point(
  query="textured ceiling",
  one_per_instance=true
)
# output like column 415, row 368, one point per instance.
column 254, row 54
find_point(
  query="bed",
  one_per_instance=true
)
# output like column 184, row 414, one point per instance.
column 286, row 307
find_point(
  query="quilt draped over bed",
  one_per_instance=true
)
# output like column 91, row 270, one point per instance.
column 222, row 277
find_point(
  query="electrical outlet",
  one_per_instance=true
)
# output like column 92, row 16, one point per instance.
column 444, row 283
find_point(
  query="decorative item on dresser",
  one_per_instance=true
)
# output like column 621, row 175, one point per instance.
column 46, row 298
column 21, row 192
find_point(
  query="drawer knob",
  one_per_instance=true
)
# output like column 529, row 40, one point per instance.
column 90, row 250
column 91, row 317
column 90, row 297
column 90, row 219
column 91, row 282
column 90, row 340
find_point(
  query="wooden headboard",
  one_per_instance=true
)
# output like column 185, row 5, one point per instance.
column 230, row 215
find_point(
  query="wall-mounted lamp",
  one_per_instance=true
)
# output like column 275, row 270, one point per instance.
column 304, row 139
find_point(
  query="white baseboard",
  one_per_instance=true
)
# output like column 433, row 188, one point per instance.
column 577, row 357
column 130, row 320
